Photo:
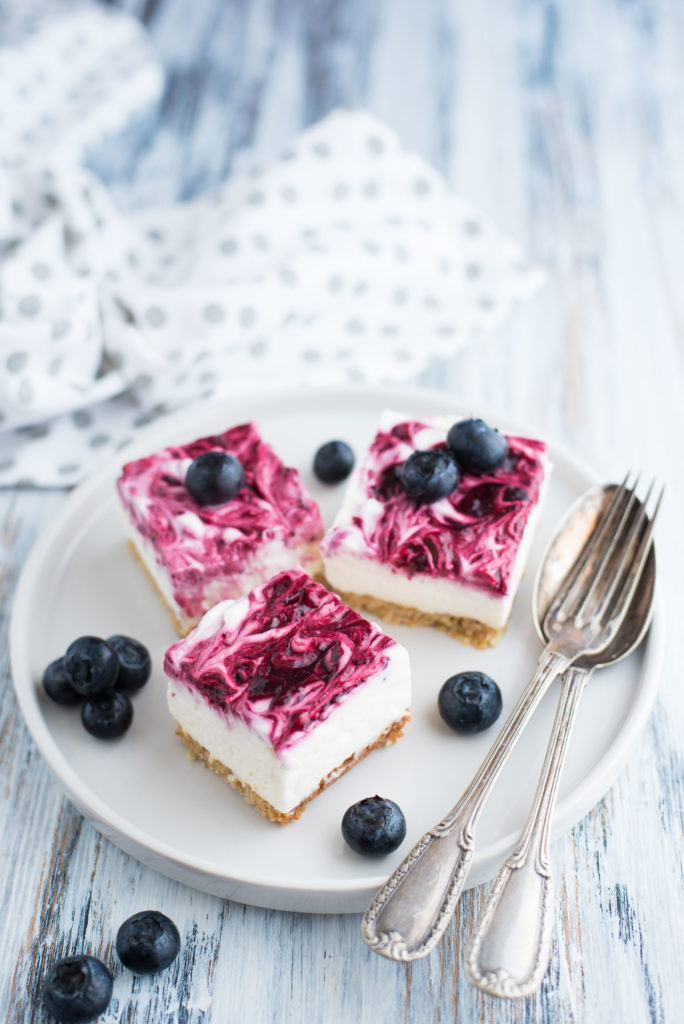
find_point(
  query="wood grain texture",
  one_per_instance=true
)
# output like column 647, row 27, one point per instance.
column 564, row 122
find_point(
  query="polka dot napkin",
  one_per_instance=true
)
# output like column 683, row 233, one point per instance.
column 71, row 72
column 346, row 258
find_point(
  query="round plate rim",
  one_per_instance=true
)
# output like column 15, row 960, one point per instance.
column 195, row 870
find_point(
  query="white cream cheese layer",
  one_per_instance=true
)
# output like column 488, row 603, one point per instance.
column 273, row 558
column 287, row 778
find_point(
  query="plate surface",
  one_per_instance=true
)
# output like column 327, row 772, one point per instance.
column 173, row 814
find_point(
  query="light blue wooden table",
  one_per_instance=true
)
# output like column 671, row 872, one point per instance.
column 564, row 122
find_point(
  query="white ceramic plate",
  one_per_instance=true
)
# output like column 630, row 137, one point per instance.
column 173, row 814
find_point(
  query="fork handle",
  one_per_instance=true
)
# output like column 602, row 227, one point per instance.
column 508, row 951
column 409, row 915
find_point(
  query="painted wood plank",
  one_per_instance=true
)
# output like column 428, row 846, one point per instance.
column 564, row 123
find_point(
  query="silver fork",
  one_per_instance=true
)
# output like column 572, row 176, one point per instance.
column 411, row 911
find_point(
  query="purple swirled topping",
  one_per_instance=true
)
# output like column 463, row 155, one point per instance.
column 471, row 536
column 281, row 657
column 210, row 547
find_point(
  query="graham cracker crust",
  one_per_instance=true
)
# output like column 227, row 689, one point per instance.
column 468, row 631
column 200, row 753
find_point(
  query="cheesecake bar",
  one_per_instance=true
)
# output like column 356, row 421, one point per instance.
column 283, row 690
column 198, row 555
column 454, row 563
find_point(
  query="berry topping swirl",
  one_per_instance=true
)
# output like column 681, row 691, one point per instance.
column 280, row 658
column 471, row 535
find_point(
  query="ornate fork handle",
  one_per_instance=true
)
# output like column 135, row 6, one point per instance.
column 410, row 913
column 508, row 951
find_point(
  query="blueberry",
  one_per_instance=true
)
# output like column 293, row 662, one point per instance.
column 214, row 477
column 475, row 446
column 431, row 475
column 77, row 988
column 469, row 702
column 107, row 715
column 333, row 462
column 374, row 826
column 147, row 942
column 134, row 662
column 91, row 664
column 57, row 684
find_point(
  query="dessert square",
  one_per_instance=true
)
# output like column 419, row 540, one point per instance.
column 198, row 555
column 454, row 563
column 283, row 690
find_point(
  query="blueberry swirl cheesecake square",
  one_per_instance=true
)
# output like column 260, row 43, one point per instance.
column 283, row 690
column 436, row 525
column 211, row 519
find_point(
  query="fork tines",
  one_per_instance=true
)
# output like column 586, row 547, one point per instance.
column 605, row 575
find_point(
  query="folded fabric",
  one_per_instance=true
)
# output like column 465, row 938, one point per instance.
column 346, row 258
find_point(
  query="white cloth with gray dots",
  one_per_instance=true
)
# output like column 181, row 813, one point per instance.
column 346, row 258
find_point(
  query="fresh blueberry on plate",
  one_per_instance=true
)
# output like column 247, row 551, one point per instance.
column 107, row 715
column 77, row 988
column 147, row 942
column 333, row 462
column 430, row 474
column 214, row 477
column 469, row 702
column 374, row 826
column 91, row 665
column 57, row 685
column 475, row 446
column 135, row 664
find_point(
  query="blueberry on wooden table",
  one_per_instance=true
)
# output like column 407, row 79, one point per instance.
column 107, row 715
column 91, row 665
column 430, row 475
column 77, row 988
column 214, row 477
column 374, row 826
column 57, row 685
column 470, row 702
column 476, row 446
column 148, row 941
column 333, row 462
column 135, row 664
